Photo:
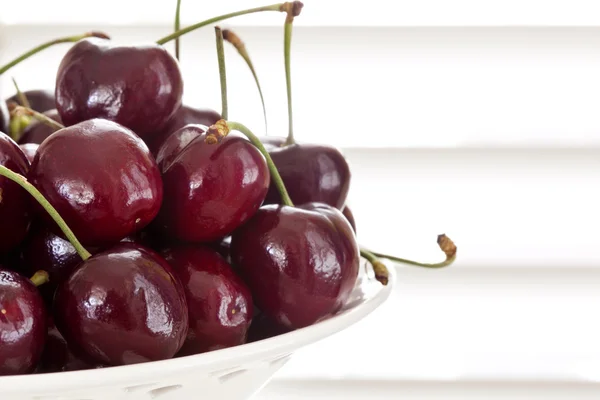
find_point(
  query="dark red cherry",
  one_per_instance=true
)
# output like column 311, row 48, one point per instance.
column 219, row 302
column 29, row 149
column 123, row 306
column 101, row 178
column 263, row 327
column 211, row 189
column 37, row 132
column 39, row 100
column 57, row 355
column 301, row 263
column 311, row 173
column 44, row 250
column 139, row 87
column 349, row 216
column 14, row 201
column 184, row 116
column 22, row 324
column 4, row 118
column 175, row 143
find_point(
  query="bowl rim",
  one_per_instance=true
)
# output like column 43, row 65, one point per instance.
column 271, row 349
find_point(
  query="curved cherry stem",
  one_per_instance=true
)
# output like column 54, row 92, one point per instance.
column 287, row 44
column 222, row 71
column 43, row 46
column 40, row 277
column 20, row 95
column 221, row 128
column 177, row 27
column 22, row 181
column 239, row 45
column 280, row 7
column 446, row 245
column 381, row 272
column 19, row 111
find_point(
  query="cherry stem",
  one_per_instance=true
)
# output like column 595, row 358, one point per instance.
column 287, row 44
column 221, row 128
column 239, row 45
column 20, row 110
column 280, row 7
column 20, row 95
column 381, row 272
column 446, row 245
column 177, row 27
column 22, row 181
column 222, row 71
column 43, row 46
column 40, row 277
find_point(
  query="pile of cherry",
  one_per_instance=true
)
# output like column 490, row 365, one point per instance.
column 136, row 228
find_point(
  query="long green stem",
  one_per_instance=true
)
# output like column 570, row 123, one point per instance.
column 287, row 44
column 446, row 245
column 177, row 26
column 20, row 95
column 43, row 46
column 381, row 272
column 281, row 7
column 222, row 71
column 19, row 111
column 22, row 181
column 221, row 128
column 235, row 40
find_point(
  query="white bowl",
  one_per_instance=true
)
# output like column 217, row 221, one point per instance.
column 234, row 373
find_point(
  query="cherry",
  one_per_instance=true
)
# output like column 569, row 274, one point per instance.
column 109, row 185
column 311, row 173
column 184, row 116
column 57, row 355
column 98, row 79
column 22, row 324
column 38, row 100
column 4, row 118
column 37, row 132
column 123, row 306
column 29, row 149
column 211, row 189
column 14, row 202
column 219, row 302
column 301, row 263
column 349, row 216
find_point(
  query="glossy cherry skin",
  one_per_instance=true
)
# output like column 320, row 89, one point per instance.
column 39, row 100
column 22, row 324
column 14, row 201
column 301, row 263
column 211, row 189
column 101, row 178
column 123, row 306
column 349, row 216
column 4, row 118
column 184, row 116
column 37, row 132
column 219, row 302
column 139, row 87
column 58, row 357
column 29, row 149
column 311, row 173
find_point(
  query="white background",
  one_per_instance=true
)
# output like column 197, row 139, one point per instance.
column 479, row 119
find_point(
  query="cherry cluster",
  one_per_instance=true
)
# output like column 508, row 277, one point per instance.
column 136, row 228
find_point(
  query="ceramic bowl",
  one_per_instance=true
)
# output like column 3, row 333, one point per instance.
column 235, row 373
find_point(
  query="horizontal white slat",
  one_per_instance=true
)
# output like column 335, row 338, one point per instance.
column 317, row 12
column 370, row 87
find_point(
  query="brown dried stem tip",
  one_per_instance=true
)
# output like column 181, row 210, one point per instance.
column 447, row 246
column 97, row 34
column 292, row 8
column 217, row 132
column 234, row 39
